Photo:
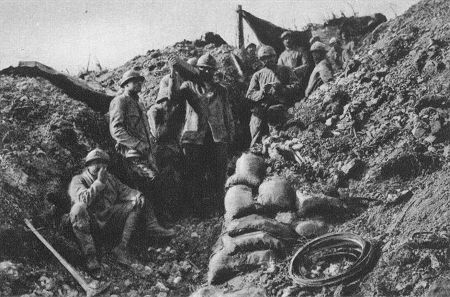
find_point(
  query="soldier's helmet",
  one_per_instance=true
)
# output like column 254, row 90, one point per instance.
column 129, row 75
column 96, row 154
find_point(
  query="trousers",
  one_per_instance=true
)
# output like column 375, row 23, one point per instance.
column 121, row 219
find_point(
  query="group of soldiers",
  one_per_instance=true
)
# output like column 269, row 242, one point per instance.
column 189, row 127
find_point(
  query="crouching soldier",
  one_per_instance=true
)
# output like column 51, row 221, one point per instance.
column 322, row 72
column 101, row 203
column 130, row 129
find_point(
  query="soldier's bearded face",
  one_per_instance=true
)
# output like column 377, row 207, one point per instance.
column 94, row 168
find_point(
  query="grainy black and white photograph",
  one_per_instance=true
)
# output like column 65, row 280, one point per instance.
column 239, row 148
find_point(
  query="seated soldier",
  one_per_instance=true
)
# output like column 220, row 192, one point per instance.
column 272, row 89
column 102, row 203
column 322, row 72
column 335, row 54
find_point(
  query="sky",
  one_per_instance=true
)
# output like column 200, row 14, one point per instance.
column 66, row 35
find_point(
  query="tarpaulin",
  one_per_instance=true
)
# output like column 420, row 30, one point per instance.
column 269, row 34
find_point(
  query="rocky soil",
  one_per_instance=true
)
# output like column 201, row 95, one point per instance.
column 378, row 138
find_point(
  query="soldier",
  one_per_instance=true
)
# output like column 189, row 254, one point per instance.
column 272, row 89
column 166, row 119
column 130, row 129
column 323, row 71
column 335, row 54
column 100, row 202
column 207, row 131
column 294, row 56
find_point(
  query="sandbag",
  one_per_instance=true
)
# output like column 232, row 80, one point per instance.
column 311, row 228
column 250, row 171
column 252, row 241
column 222, row 266
column 314, row 204
column 276, row 194
column 255, row 222
column 238, row 202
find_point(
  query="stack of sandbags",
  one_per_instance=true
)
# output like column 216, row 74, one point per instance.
column 251, row 240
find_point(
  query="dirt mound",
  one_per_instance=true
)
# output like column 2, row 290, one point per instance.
column 44, row 136
column 379, row 130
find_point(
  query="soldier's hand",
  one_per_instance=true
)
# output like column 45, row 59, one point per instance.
column 267, row 88
column 139, row 201
column 102, row 175
column 172, row 61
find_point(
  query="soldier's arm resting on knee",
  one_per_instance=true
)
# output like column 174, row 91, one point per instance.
column 125, row 193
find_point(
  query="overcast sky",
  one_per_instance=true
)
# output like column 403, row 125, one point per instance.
column 63, row 34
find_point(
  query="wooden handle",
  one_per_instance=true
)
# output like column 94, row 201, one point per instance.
column 66, row 264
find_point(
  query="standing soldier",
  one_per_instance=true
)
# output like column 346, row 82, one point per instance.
column 100, row 202
column 130, row 129
column 166, row 118
column 322, row 72
column 272, row 89
column 296, row 57
column 207, row 131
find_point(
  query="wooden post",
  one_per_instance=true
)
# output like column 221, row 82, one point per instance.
column 240, row 26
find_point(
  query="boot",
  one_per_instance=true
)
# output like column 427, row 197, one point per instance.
column 154, row 229
column 120, row 251
column 92, row 263
column 122, row 255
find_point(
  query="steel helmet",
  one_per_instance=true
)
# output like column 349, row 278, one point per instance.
column 192, row 61
column 318, row 46
column 96, row 154
column 207, row 61
column 332, row 41
column 314, row 39
column 129, row 75
column 286, row 33
column 265, row 51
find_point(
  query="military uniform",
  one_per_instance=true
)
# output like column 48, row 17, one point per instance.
column 105, row 207
column 166, row 119
column 321, row 74
column 263, row 102
column 130, row 129
column 207, row 131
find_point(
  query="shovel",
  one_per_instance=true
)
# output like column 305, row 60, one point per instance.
column 90, row 291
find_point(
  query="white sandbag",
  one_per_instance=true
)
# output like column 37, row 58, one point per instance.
column 311, row 228
column 315, row 204
column 238, row 202
column 276, row 194
column 250, row 171
column 252, row 241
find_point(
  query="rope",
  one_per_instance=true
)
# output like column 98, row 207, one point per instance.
column 339, row 245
